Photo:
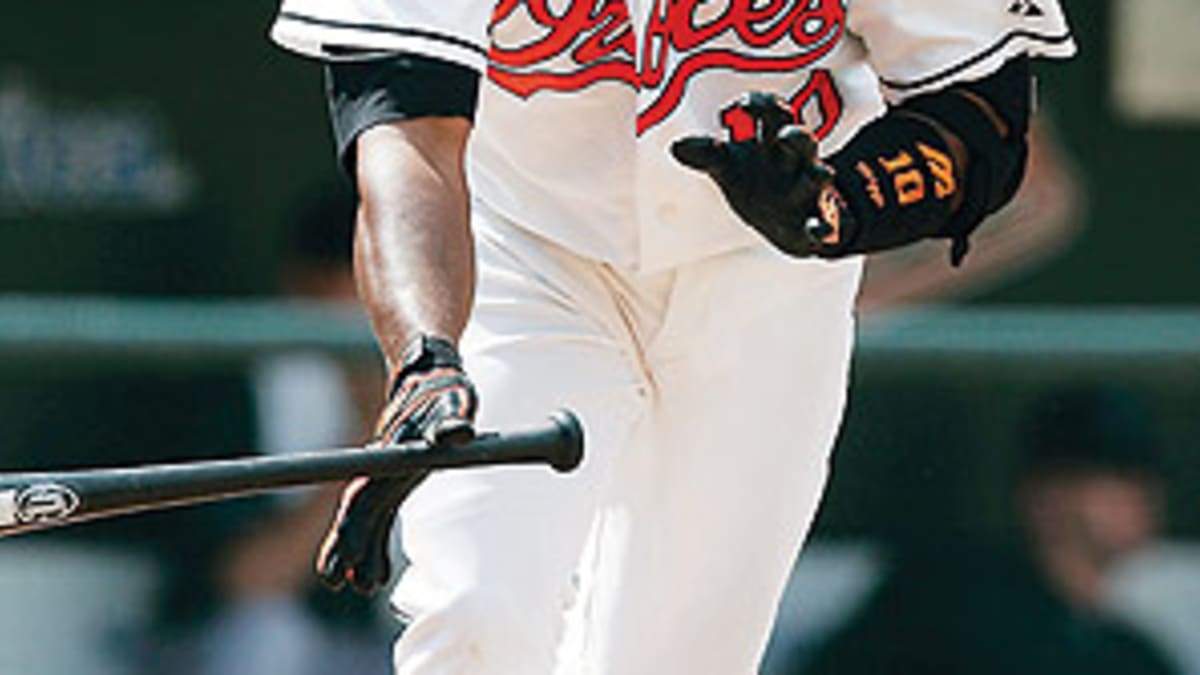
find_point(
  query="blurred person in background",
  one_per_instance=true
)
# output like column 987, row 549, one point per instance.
column 1087, row 495
column 273, row 618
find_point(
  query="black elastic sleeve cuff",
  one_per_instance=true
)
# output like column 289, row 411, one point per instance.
column 997, row 163
column 362, row 94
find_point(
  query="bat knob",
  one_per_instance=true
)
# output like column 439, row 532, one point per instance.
column 571, row 448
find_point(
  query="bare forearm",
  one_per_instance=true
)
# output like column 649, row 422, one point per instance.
column 414, row 259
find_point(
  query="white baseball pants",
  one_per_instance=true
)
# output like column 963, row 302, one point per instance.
column 710, row 396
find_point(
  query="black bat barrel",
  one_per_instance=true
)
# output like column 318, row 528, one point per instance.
column 52, row 499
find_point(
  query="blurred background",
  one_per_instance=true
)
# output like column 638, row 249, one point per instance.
column 1013, row 491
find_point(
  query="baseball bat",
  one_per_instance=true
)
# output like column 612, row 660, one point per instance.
column 38, row 501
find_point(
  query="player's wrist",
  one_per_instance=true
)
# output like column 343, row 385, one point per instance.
column 422, row 353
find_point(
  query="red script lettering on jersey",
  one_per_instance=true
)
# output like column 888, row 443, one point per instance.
column 590, row 41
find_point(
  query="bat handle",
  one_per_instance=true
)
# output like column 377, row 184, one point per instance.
column 569, row 453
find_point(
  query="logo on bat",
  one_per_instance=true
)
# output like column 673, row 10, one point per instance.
column 45, row 502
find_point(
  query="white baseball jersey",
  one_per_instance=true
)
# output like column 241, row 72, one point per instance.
column 583, row 97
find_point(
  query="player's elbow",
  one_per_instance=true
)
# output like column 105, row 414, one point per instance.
column 410, row 154
column 990, row 118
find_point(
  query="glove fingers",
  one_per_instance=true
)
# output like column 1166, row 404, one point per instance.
column 775, row 119
column 449, row 431
column 364, row 503
column 821, row 173
column 372, row 567
column 370, row 575
column 702, row 153
column 798, row 145
column 449, row 420
column 330, row 562
column 770, row 113
column 437, row 428
column 331, row 570
column 371, row 572
column 338, row 558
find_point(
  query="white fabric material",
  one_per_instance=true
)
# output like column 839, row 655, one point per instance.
column 584, row 97
column 452, row 30
column 709, row 405
column 604, row 184
column 916, row 47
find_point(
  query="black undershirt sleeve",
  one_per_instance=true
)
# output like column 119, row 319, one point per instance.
column 363, row 93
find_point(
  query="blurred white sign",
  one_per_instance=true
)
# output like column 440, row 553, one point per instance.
column 71, row 157
column 72, row 610
column 1156, row 59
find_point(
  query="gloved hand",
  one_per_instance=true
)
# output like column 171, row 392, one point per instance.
column 774, row 180
column 430, row 399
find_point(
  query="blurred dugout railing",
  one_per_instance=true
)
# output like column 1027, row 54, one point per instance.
column 224, row 328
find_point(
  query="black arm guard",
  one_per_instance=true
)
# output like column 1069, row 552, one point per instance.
column 376, row 90
column 936, row 165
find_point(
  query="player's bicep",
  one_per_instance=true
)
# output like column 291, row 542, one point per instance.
column 369, row 93
column 922, row 46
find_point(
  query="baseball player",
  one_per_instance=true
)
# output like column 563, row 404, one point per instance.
column 657, row 222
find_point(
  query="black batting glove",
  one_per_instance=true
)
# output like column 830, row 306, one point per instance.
column 430, row 399
column 774, row 181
